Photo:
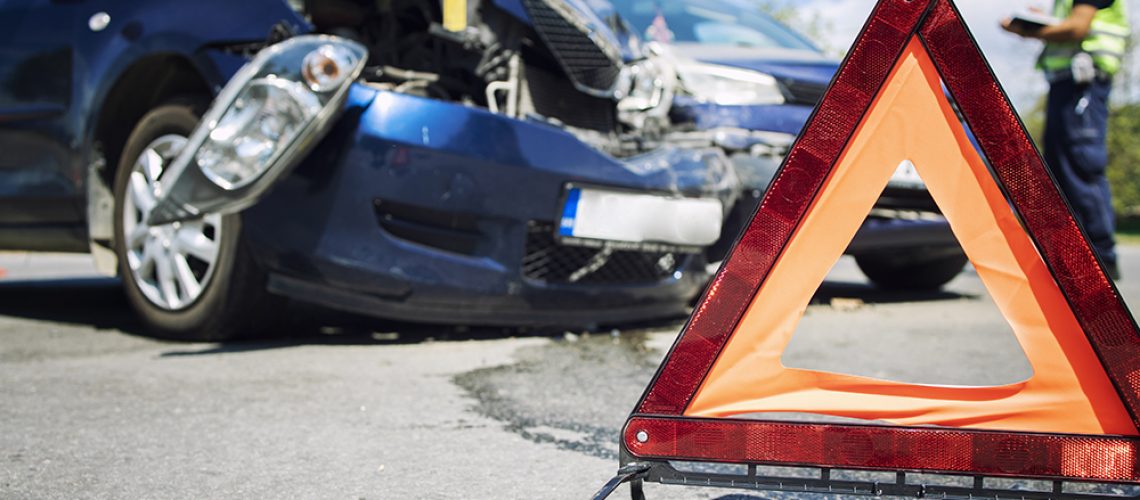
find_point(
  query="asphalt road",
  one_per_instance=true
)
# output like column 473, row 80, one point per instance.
column 343, row 407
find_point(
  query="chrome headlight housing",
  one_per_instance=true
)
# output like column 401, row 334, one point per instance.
column 727, row 85
column 261, row 125
column 648, row 88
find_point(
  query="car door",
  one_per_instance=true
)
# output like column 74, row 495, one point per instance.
column 40, row 185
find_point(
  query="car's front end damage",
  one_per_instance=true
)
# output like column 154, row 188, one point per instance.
column 753, row 102
column 475, row 171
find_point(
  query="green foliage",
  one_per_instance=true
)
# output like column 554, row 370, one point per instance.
column 780, row 11
column 1124, row 158
column 813, row 26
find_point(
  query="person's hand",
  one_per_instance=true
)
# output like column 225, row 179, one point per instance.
column 1012, row 27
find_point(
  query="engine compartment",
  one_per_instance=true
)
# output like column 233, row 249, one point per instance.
column 550, row 67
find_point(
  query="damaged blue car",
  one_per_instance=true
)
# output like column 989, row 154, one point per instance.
column 753, row 82
column 498, row 162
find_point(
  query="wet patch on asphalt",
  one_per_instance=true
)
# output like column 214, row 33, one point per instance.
column 574, row 392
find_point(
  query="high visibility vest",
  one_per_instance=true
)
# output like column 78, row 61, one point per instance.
column 1106, row 41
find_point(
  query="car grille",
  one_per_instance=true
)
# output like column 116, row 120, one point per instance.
column 549, row 262
column 800, row 92
column 583, row 60
column 554, row 97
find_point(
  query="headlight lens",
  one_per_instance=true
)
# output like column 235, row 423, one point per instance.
column 266, row 117
column 271, row 112
column 729, row 86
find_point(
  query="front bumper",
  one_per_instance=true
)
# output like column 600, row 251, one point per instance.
column 403, row 212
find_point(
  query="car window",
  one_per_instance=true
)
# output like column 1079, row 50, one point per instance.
column 724, row 22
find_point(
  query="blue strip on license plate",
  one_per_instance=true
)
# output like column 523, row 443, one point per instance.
column 569, row 212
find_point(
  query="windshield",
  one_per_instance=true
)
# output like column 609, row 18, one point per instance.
column 720, row 22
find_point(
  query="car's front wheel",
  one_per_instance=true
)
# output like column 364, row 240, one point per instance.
column 189, row 280
column 919, row 269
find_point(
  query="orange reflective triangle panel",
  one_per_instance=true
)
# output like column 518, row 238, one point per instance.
column 1075, row 418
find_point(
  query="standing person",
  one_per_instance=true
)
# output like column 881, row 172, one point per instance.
column 1082, row 53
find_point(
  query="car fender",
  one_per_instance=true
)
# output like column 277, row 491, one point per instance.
column 196, row 33
column 138, row 31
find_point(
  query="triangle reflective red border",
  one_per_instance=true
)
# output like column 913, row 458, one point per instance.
column 1046, row 217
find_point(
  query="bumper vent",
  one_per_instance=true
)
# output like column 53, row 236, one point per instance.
column 449, row 231
column 584, row 61
column 800, row 92
column 551, row 263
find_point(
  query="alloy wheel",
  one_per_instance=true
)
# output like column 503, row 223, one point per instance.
column 171, row 264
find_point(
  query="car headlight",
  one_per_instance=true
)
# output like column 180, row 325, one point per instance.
column 646, row 86
column 651, row 83
column 271, row 112
column 729, row 86
column 263, row 122
column 268, row 116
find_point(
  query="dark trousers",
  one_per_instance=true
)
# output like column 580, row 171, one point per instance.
column 1075, row 149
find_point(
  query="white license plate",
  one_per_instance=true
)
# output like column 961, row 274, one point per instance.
column 906, row 176
column 640, row 218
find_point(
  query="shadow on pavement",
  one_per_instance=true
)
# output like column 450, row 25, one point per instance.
column 345, row 330
column 871, row 295
column 99, row 303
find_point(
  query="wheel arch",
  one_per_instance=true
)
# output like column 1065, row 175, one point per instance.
column 145, row 84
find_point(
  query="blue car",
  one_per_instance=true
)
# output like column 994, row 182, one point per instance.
column 495, row 162
column 753, row 82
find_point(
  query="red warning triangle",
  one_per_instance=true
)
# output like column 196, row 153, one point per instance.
column 1075, row 418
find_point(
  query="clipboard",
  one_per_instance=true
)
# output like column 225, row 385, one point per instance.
column 1031, row 21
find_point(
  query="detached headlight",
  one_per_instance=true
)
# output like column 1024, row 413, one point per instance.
column 263, row 121
column 260, row 126
column 275, row 107
column 729, row 86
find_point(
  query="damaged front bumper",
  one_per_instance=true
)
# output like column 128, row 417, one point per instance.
column 410, row 208
column 403, row 212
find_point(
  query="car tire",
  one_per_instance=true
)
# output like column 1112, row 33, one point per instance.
column 912, row 270
column 216, row 291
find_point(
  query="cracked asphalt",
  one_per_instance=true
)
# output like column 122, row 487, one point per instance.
column 344, row 407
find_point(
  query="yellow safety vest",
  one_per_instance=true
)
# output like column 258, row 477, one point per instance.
column 1106, row 42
